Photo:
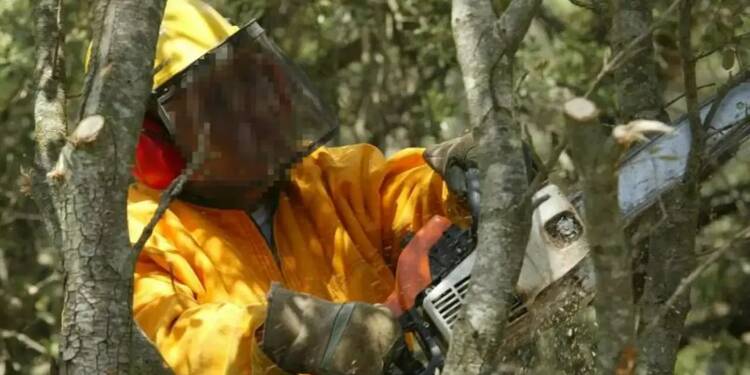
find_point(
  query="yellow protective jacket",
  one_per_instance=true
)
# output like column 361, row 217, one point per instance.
column 202, row 278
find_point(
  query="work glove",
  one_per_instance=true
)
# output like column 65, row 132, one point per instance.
column 456, row 162
column 305, row 334
column 456, row 152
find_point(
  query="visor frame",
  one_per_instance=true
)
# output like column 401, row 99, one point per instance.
column 166, row 91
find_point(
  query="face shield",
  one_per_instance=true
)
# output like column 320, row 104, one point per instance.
column 252, row 112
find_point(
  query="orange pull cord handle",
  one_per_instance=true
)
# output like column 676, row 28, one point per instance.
column 413, row 266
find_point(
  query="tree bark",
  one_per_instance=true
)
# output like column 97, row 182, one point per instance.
column 666, row 252
column 49, row 101
column 86, row 187
column 595, row 154
column 485, row 47
column 671, row 248
column 637, row 85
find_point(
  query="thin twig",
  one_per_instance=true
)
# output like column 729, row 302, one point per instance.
column 678, row 97
column 173, row 190
column 734, row 40
column 697, row 130
column 630, row 49
column 26, row 341
column 583, row 4
column 50, row 118
column 689, row 279
column 545, row 170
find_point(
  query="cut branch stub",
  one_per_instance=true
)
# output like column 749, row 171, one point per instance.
column 87, row 131
column 595, row 154
column 585, row 136
column 581, row 111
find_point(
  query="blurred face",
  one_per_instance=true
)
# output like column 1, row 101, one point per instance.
column 237, row 110
column 249, row 113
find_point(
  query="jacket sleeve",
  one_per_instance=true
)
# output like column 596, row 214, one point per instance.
column 411, row 193
column 197, row 331
column 193, row 337
column 353, row 206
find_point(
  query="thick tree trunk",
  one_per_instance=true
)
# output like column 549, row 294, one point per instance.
column 665, row 249
column 485, row 47
column 668, row 250
column 86, row 185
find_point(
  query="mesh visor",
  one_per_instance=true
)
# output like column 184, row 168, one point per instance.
column 255, row 111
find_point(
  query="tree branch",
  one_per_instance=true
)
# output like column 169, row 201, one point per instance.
column 485, row 48
column 173, row 190
column 595, row 155
column 49, row 104
column 684, row 286
column 49, row 108
column 663, row 256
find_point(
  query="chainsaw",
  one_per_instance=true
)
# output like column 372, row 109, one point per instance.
column 434, row 269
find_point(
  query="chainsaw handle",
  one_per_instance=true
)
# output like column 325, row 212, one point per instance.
column 413, row 266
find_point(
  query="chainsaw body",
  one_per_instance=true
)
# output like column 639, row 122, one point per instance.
column 433, row 303
column 434, row 278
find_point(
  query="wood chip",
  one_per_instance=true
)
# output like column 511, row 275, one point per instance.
column 636, row 130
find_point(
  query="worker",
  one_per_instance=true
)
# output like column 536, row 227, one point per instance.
column 279, row 252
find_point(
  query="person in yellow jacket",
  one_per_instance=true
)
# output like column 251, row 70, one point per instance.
column 266, row 204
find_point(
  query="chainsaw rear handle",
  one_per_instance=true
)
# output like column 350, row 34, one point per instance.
column 413, row 267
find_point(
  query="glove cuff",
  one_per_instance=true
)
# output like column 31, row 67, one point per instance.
column 295, row 327
column 305, row 334
column 440, row 156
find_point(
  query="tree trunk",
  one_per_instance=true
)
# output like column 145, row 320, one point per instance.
column 665, row 253
column 670, row 248
column 485, row 47
column 638, row 89
column 85, row 183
